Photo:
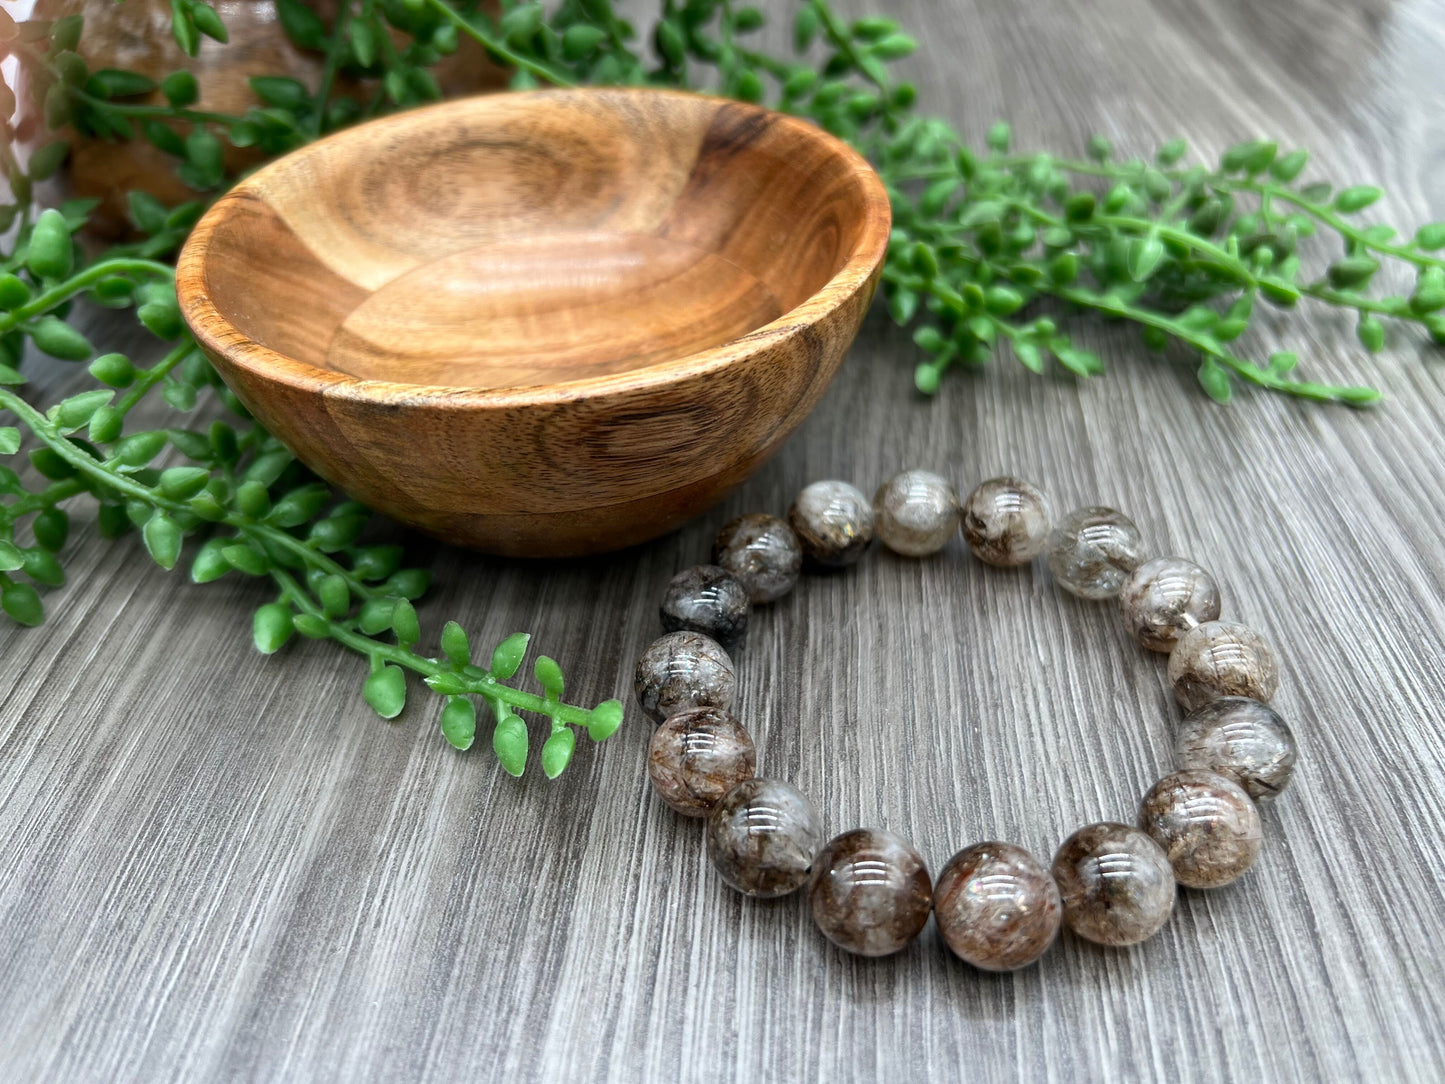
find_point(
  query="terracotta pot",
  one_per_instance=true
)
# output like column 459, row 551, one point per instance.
column 135, row 36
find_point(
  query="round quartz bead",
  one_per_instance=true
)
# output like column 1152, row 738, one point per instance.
column 1006, row 522
column 997, row 906
column 916, row 512
column 709, row 600
column 1166, row 597
column 870, row 892
column 762, row 837
column 834, row 523
column 1115, row 882
column 683, row 670
column 1221, row 658
column 1093, row 550
column 696, row 757
column 1206, row 824
column 762, row 552
column 1242, row 740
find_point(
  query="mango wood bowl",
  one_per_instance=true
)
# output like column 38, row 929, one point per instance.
column 541, row 324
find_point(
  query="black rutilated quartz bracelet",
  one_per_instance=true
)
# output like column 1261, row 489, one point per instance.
column 997, row 906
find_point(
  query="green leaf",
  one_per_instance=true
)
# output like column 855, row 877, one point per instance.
column 375, row 616
column 1171, row 152
column 1214, row 380
column 998, row 136
column 209, row 23
column 557, row 751
column 162, row 540
column 549, row 676
column 1099, row 148
column 519, row 24
column 1352, row 271
column 182, row 483
column 1356, row 198
column 246, row 560
column 139, row 449
column 50, row 254
column 455, row 644
column 55, row 337
column 272, row 627
column 114, row 83
column 302, row 25
column 1431, row 236
column 115, row 370
column 1429, row 295
column 404, row 623
column 459, row 722
column 1145, row 255
column 448, row 683
column 13, row 292
column 507, row 657
column 65, row 32
column 363, row 42
column 9, row 440
column 1371, row 333
column 385, row 691
column 51, row 528
column 279, row 91
column 210, row 564
column 334, row 595
column 312, row 627
column 22, row 603
column 668, row 38
column 894, row 47
column 509, row 742
column 181, row 89
column 74, row 412
column 42, row 567
column 409, row 583
column 11, row 556
column 805, row 29
column 47, row 159
column 604, row 719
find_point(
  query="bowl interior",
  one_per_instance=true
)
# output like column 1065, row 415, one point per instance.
column 525, row 239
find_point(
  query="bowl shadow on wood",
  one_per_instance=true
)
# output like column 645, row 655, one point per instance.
column 541, row 324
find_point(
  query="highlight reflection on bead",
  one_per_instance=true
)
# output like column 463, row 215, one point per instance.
column 1241, row 739
column 870, row 892
column 1116, row 884
column 762, row 837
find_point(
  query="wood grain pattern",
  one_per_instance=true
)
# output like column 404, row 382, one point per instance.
column 218, row 866
column 542, row 324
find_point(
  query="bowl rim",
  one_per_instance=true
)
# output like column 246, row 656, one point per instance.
column 219, row 337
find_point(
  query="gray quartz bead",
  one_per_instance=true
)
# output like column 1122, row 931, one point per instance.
column 997, row 906
column 683, row 670
column 916, row 512
column 1164, row 598
column 1006, row 522
column 1222, row 658
column 762, row 552
column 709, row 600
column 762, row 837
column 1116, row 884
column 1241, row 739
column 870, row 892
column 834, row 523
column 1093, row 550
column 696, row 757
column 1205, row 823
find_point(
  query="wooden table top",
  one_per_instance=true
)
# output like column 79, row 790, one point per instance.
column 215, row 865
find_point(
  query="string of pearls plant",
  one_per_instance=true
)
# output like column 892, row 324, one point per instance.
column 997, row 906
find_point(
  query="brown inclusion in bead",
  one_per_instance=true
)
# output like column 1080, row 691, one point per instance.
column 834, row 523
column 764, row 554
column 870, row 892
column 1164, row 598
column 1222, row 658
column 1206, row 824
column 1241, row 739
column 696, row 757
column 1006, row 522
column 1116, row 884
column 683, row 670
column 997, row 906
column 762, row 837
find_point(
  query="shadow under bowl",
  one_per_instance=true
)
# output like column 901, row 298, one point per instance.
column 541, row 324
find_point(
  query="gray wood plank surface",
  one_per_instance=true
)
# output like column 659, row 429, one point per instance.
column 219, row 866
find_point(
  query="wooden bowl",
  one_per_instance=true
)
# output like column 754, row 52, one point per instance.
column 541, row 324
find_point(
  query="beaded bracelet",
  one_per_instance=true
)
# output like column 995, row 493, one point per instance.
column 997, row 906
